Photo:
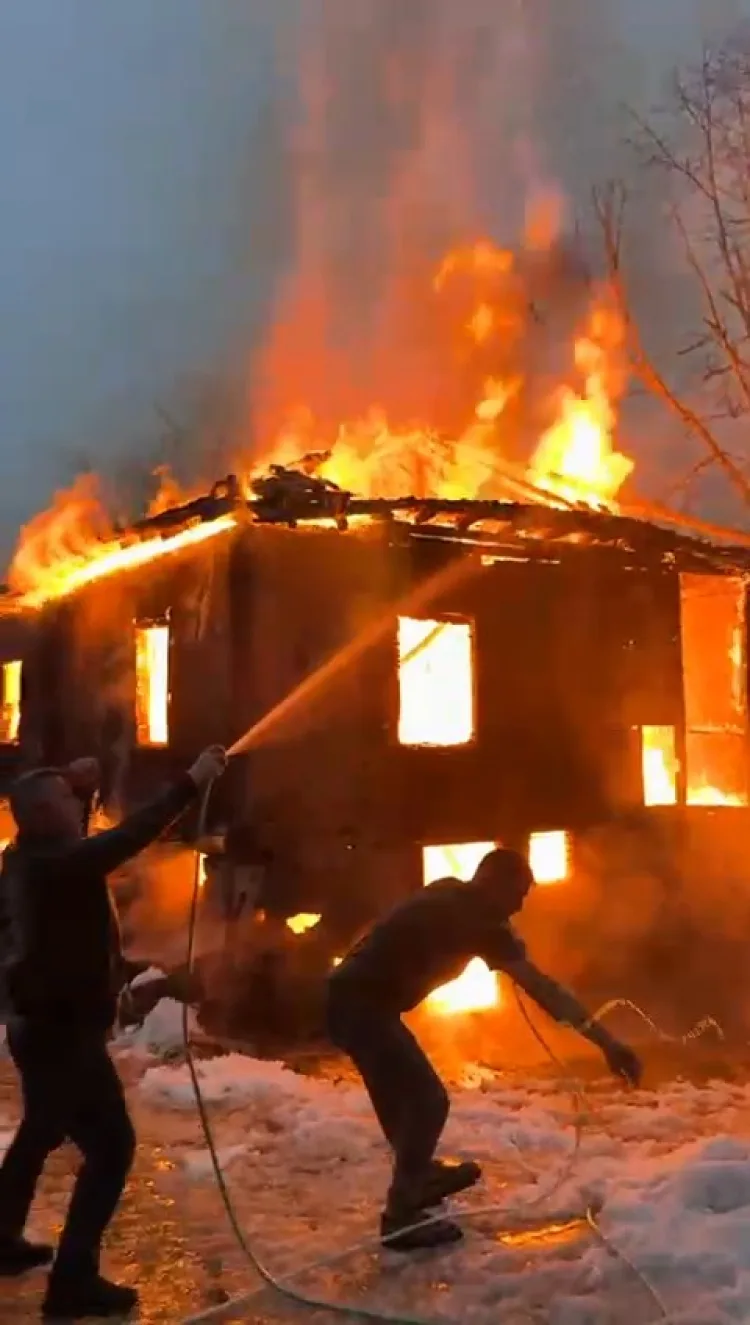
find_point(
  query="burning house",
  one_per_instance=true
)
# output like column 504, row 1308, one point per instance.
column 409, row 682
column 513, row 654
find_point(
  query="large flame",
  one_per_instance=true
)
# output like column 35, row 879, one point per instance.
column 73, row 544
column 495, row 334
column 531, row 412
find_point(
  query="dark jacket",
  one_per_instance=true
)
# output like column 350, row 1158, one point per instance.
column 423, row 943
column 59, row 937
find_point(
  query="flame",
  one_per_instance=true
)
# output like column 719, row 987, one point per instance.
column 575, row 458
column 300, row 924
column 152, row 684
column 513, row 397
column 549, row 856
column 701, row 793
column 659, row 765
column 436, row 682
column 660, row 770
column 477, row 988
column 10, row 713
column 73, row 544
column 490, row 295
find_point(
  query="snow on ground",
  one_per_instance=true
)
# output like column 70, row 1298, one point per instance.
column 668, row 1171
column 161, row 1033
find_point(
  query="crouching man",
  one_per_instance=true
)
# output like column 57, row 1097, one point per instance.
column 62, row 967
column 423, row 944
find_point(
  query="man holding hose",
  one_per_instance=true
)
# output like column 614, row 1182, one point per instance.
column 62, row 970
column 425, row 942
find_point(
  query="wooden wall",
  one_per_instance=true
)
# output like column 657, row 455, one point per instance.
column 570, row 659
column 81, row 669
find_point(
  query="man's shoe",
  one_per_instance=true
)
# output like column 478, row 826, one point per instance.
column 78, row 1299
column 17, row 1256
column 447, row 1178
column 406, row 1230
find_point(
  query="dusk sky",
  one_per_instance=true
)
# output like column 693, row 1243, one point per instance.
column 142, row 205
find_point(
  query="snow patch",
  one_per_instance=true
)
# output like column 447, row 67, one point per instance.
column 198, row 1164
column 161, row 1032
column 668, row 1172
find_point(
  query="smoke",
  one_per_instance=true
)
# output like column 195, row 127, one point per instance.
column 427, row 125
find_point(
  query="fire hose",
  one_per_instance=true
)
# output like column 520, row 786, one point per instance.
column 284, row 1285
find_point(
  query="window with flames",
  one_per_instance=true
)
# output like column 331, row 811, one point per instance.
column 478, row 987
column 714, row 671
column 152, row 685
column 436, row 682
column 11, row 702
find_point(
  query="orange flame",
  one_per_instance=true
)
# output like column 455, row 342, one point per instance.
column 510, row 419
column 489, row 294
column 301, row 923
column 73, row 544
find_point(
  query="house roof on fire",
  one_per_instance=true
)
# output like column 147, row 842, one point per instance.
column 533, row 529
column 528, row 525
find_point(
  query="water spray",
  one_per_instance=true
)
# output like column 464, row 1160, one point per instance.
column 446, row 578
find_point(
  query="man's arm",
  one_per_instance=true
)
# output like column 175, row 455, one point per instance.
column 565, row 1009
column 105, row 852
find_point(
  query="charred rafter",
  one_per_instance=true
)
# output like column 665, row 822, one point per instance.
column 533, row 530
column 526, row 530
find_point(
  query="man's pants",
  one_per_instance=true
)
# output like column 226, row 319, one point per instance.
column 71, row 1092
column 409, row 1099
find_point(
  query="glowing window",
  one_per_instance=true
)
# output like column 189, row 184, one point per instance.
column 152, row 684
column 714, row 669
column 436, row 682
column 477, row 987
column 659, row 765
column 304, row 921
column 549, row 856
column 11, row 705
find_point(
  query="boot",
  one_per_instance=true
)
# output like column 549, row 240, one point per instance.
column 447, row 1178
column 17, row 1256
column 70, row 1298
column 398, row 1231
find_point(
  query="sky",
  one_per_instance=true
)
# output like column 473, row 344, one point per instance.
column 144, row 207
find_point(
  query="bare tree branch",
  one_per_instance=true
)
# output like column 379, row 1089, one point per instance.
column 610, row 207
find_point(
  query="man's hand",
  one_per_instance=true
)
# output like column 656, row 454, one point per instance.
column 84, row 776
column 209, row 765
column 622, row 1062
